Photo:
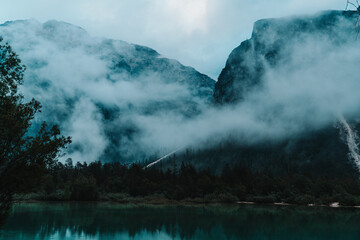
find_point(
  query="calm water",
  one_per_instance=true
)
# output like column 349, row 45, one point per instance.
column 112, row 221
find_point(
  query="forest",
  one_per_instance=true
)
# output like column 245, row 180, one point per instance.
column 180, row 183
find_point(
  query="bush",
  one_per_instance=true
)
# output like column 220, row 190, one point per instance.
column 240, row 192
column 263, row 199
column 227, row 198
column 304, row 199
column 349, row 200
column 84, row 189
column 48, row 184
column 58, row 195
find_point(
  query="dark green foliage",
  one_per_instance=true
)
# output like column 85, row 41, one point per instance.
column 260, row 175
column 11, row 70
column 318, row 153
column 84, row 188
column 237, row 183
column 24, row 158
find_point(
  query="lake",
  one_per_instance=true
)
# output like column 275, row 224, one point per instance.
column 118, row 221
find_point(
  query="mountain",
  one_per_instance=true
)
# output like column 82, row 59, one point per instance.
column 299, row 75
column 271, row 45
column 286, row 102
column 104, row 93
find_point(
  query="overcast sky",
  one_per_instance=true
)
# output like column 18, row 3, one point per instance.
column 199, row 33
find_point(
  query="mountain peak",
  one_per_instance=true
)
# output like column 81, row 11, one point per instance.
column 267, row 46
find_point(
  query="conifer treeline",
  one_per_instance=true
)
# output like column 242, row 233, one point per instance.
column 117, row 182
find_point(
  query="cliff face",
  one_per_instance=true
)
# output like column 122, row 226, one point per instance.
column 296, row 69
column 269, row 45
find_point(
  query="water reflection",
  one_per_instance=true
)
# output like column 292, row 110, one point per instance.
column 115, row 221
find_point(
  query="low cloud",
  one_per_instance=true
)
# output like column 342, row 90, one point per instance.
column 199, row 33
column 144, row 114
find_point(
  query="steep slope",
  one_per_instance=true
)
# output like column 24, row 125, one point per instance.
column 102, row 92
column 302, row 70
column 273, row 43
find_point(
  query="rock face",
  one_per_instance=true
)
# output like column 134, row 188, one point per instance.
column 273, row 44
column 269, row 44
column 102, row 92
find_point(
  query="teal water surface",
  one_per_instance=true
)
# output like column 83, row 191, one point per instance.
column 115, row 221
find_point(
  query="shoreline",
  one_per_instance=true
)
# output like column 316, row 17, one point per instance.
column 331, row 205
column 184, row 202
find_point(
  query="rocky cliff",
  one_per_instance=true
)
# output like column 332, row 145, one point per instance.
column 269, row 47
column 294, row 71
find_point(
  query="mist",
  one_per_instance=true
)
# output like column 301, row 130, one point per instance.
column 199, row 33
column 147, row 113
column 315, row 83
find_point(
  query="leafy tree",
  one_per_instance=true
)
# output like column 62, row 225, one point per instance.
column 23, row 156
